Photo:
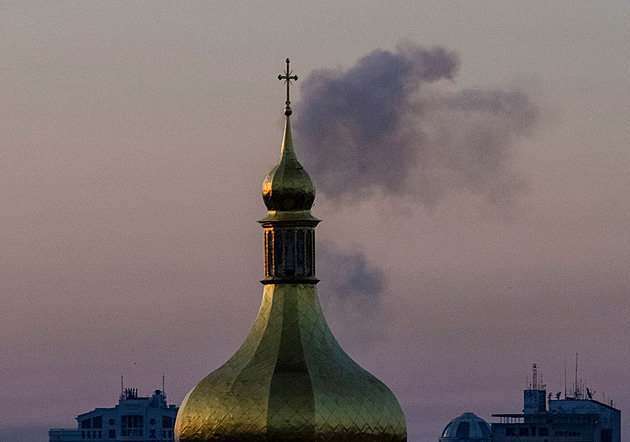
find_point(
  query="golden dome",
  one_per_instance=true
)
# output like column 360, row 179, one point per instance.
column 290, row 380
column 288, row 187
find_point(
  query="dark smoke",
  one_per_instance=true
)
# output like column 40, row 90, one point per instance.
column 352, row 291
column 349, row 278
column 382, row 126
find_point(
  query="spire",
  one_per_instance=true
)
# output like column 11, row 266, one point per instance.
column 288, row 193
column 288, row 187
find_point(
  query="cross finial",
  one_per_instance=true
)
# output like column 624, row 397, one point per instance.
column 287, row 77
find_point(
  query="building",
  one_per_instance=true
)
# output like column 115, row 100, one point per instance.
column 467, row 428
column 134, row 419
column 574, row 418
column 290, row 380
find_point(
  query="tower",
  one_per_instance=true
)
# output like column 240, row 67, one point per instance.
column 290, row 380
column 535, row 397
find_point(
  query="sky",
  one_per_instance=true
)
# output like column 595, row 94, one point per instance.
column 471, row 161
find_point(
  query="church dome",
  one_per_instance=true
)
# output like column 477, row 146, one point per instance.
column 467, row 428
column 290, row 380
column 288, row 187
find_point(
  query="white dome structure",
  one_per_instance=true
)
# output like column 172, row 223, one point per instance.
column 467, row 428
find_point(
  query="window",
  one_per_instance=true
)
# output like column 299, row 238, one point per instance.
column 167, row 422
column 112, row 422
column 94, row 422
column 606, row 435
column 309, row 256
column 463, row 430
column 132, row 425
column 112, row 434
column 289, row 251
column 299, row 252
column 269, row 255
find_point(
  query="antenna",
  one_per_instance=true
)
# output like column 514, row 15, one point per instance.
column 576, row 392
column 121, row 385
column 534, row 377
column 163, row 391
column 565, row 376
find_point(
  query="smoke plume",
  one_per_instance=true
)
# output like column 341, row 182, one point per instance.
column 383, row 126
column 349, row 278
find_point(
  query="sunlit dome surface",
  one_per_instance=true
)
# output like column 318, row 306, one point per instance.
column 467, row 427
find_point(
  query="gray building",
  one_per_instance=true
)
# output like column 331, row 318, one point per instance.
column 576, row 418
column 134, row 419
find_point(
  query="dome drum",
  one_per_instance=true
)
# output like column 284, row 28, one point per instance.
column 289, row 252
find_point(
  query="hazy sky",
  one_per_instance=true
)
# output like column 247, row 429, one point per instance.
column 472, row 164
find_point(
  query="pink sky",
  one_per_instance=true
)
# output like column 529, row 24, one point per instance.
column 135, row 138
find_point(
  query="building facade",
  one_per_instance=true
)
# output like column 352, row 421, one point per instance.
column 572, row 419
column 134, row 419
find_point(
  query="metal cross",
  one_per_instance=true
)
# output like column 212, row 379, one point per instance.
column 287, row 77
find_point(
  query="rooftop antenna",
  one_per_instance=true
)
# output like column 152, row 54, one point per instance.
column 163, row 391
column 576, row 392
column 121, row 385
column 534, row 377
column 565, row 376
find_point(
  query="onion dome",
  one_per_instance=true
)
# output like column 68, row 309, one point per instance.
column 467, row 428
column 288, row 187
column 290, row 381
